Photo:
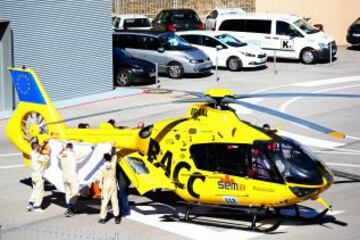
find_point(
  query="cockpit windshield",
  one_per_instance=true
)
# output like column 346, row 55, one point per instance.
column 271, row 161
column 294, row 162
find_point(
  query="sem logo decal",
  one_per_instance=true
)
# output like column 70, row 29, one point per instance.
column 228, row 183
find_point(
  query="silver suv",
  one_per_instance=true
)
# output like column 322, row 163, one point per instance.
column 172, row 53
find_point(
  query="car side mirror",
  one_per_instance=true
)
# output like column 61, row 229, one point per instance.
column 161, row 49
column 219, row 47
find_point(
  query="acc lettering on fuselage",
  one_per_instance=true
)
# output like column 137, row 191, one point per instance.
column 198, row 112
column 166, row 163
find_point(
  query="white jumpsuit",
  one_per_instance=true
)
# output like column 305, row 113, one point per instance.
column 68, row 160
column 37, row 168
column 108, row 184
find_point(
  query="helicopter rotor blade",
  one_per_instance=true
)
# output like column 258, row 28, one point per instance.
column 196, row 100
column 194, row 93
column 288, row 117
column 111, row 111
column 284, row 94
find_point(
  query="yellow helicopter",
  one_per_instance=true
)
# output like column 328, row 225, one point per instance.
column 208, row 157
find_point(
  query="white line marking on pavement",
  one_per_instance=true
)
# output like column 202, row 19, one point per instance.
column 309, row 141
column 327, row 81
column 352, row 137
column 195, row 231
column 287, row 103
column 12, row 166
column 342, row 164
column 336, row 152
column 10, row 154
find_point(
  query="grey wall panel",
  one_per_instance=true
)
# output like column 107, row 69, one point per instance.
column 67, row 42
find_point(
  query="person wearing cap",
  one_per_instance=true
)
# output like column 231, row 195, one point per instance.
column 38, row 161
column 106, row 179
column 68, row 161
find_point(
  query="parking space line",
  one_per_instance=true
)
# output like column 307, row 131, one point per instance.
column 286, row 104
column 11, row 166
column 330, row 81
column 10, row 154
column 342, row 164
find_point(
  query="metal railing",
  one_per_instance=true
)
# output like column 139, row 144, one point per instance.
column 13, row 230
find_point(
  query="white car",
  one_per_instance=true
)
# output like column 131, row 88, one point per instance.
column 287, row 36
column 131, row 22
column 217, row 12
column 226, row 50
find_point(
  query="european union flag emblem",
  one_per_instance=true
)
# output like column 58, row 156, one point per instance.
column 26, row 87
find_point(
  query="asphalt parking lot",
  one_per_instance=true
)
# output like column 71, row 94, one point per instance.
column 342, row 155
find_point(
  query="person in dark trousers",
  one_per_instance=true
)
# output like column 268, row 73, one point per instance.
column 123, row 192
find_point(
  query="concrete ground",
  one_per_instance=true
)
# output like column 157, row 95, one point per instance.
column 342, row 155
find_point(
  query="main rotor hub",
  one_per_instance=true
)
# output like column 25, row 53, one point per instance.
column 219, row 93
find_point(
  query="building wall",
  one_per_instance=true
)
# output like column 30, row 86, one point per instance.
column 335, row 15
column 68, row 43
column 152, row 7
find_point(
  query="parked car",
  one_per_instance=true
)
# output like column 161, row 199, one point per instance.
column 172, row 20
column 130, row 22
column 174, row 55
column 214, row 14
column 230, row 52
column 129, row 70
column 290, row 36
column 353, row 33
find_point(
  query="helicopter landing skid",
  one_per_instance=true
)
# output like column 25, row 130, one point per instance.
column 254, row 213
column 316, row 218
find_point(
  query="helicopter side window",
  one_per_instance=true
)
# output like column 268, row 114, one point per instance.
column 260, row 166
column 221, row 157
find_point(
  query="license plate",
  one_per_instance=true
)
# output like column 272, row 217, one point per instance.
column 152, row 74
column 356, row 34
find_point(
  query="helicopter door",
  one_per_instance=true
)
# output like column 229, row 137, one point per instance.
column 225, row 164
column 144, row 176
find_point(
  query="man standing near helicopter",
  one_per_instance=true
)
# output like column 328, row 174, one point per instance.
column 38, row 160
column 68, row 161
column 106, row 179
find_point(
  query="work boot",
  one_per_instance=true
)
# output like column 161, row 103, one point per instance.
column 69, row 213
column 38, row 210
column 30, row 206
column 102, row 221
column 117, row 219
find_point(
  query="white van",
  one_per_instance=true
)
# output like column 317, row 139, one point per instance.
column 210, row 22
column 288, row 35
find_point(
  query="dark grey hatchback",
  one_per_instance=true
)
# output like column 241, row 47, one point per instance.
column 172, row 20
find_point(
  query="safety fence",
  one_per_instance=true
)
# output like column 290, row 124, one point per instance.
column 16, row 231
column 152, row 7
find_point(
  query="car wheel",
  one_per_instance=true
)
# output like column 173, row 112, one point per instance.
column 123, row 78
column 308, row 56
column 234, row 64
column 175, row 70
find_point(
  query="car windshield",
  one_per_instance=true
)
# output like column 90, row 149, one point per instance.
column 357, row 22
column 294, row 162
column 173, row 42
column 188, row 16
column 305, row 26
column 136, row 22
column 229, row 40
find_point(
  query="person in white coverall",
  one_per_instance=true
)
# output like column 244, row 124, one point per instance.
column 68, row 160
column 106, row 178
column 38, row 161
